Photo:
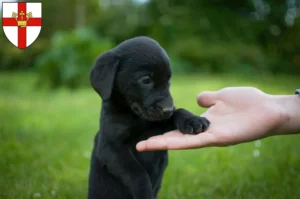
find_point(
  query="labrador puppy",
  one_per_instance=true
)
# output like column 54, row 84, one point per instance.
column 133, row 80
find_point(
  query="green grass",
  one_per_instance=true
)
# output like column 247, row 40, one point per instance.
column 46, row 139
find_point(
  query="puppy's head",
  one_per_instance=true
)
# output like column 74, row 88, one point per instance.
column 138, row 70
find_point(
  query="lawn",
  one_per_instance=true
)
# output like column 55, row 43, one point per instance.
column 46, row 138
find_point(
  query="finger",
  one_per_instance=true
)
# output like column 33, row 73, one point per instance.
column 204, row 139
column 207, row 98
column 170, row 133
column 176, row 142
column 158, row 140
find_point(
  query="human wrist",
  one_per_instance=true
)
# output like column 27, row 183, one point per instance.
column 289, row 110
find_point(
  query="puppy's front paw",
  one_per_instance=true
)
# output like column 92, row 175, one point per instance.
column 193, row 125
column 188, row 123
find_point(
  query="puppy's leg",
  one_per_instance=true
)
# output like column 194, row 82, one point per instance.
column 159, row 175
column 122, row 163
column 187, row 123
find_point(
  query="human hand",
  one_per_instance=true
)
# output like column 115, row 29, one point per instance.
column 237, row 115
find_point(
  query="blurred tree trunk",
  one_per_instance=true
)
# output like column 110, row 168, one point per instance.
column 80, row 14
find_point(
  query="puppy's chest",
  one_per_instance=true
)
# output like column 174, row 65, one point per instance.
column 143, row 132
column 153, row 161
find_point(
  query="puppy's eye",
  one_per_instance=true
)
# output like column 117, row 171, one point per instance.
column 146, row 80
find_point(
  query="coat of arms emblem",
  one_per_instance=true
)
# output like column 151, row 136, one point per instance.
column 22, row 22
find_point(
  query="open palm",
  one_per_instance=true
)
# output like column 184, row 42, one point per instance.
column 237, row 114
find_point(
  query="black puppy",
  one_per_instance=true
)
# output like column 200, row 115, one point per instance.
column 133, row 80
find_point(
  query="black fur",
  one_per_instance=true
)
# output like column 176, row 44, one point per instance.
column 133, row 80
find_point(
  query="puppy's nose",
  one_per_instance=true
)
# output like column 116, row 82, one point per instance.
column 166, row 107
column 168, row 110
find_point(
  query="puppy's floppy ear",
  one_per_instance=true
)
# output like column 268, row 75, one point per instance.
column 103, row 74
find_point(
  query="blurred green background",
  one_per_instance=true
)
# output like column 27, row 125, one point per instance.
column 49, row 112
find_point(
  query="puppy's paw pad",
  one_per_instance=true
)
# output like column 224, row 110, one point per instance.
column 204, row 122
column 198, row 124
column 185, row 128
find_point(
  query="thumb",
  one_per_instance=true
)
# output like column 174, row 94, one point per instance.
column 207, row 98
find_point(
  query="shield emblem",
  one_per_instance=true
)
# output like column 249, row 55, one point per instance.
column 22, row 22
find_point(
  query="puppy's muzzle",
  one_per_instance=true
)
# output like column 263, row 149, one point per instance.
column 167, row 107
column 158, row 111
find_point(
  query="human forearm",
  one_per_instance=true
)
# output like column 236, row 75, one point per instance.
column 289, row 106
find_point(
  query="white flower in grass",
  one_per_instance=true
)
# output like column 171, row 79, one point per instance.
column 256, row 153
column 53, row 192
column 257, row 143
column 87, row 154
column 36, row 195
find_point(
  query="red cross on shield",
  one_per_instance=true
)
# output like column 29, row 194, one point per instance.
column 22, row 22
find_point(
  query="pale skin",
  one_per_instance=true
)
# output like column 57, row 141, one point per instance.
column 237, row 115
